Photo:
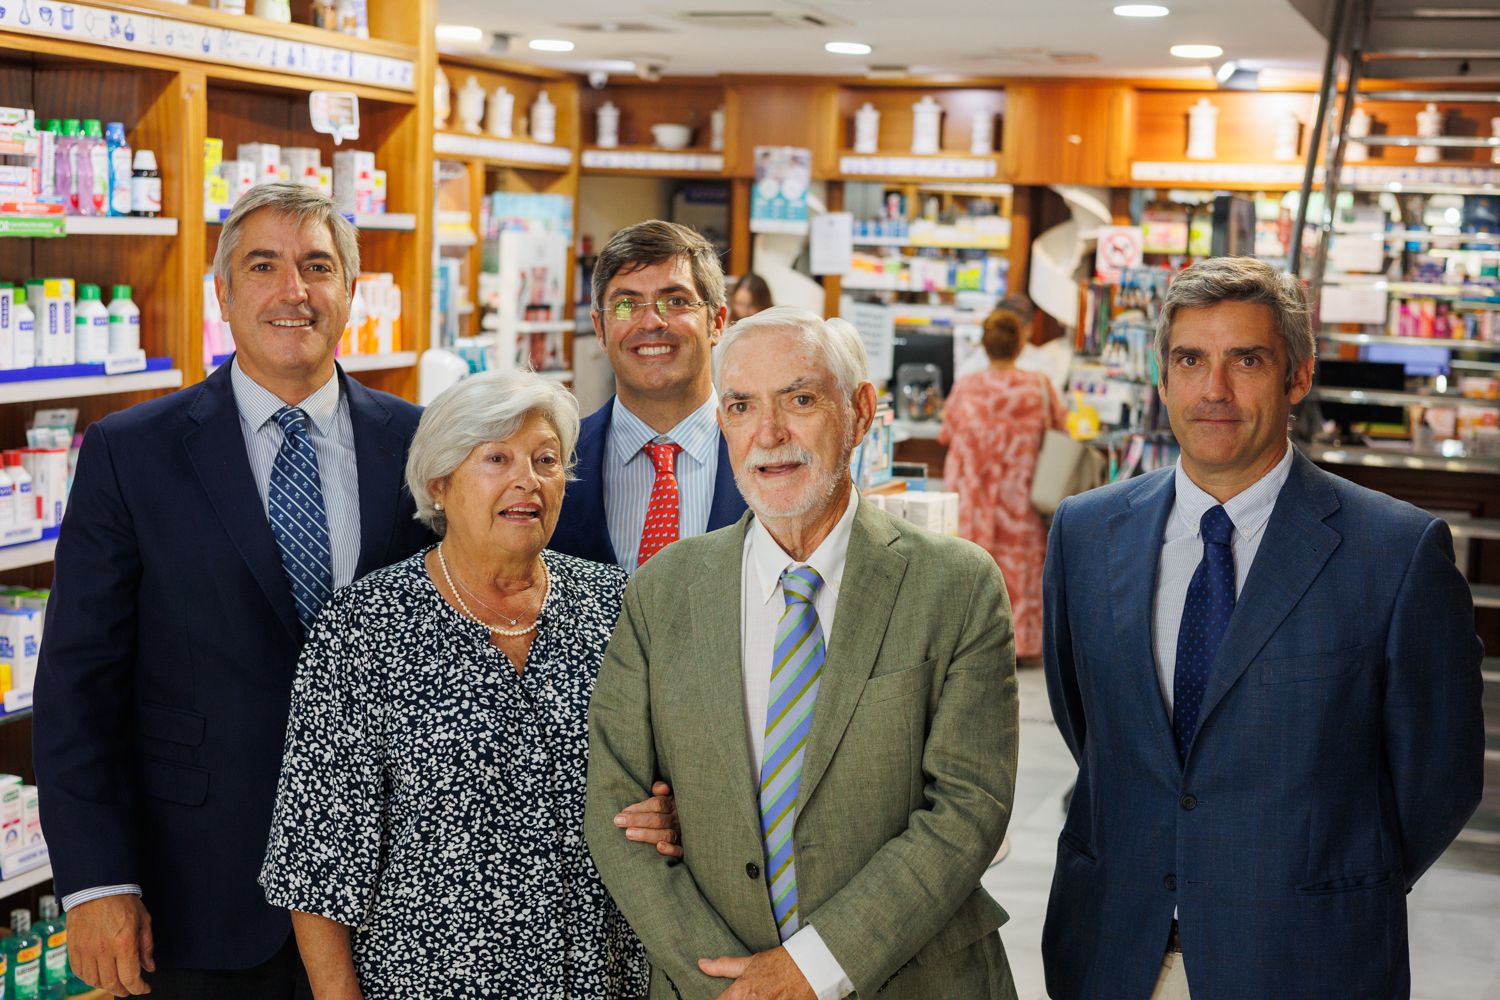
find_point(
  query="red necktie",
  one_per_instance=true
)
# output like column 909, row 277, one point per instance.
column 661, row 513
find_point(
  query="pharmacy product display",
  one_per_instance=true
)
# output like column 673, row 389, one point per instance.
column 70, row 166
column 352, row 180
column 374, row 325
column 57, row 322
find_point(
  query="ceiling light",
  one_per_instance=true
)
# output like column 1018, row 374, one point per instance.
column 551, row 45
column 1141, row 10
column 460, row 34
column 1189, row 51
column 1225, row 70
column 848, row 48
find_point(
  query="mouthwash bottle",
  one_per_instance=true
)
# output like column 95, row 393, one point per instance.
column 53, row 930
column 23, row 959
column 118, row 154
column 97, row 154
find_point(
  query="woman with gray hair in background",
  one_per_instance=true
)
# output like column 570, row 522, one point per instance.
column 428, row 824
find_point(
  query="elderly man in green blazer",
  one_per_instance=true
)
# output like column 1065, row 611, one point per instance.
column 831, row 693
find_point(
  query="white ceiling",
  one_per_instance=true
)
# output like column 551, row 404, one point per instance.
column 969, row 37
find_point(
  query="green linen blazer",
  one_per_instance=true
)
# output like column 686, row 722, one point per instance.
column 907, row 778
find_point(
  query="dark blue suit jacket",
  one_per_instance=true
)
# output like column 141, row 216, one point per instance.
column 1340, row 748
column 166, row 668
column 582, row 529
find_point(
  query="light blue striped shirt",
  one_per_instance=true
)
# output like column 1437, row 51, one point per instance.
column 1182, row 550
column 332, row 435
column 629, row 475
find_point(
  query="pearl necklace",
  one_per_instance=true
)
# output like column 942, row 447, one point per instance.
column 511, row 633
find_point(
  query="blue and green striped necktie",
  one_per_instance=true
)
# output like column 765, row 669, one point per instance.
column 796, row 666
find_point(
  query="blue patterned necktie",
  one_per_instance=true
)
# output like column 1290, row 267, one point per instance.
column 299, row 519
column 796, row 665
column 1205, row 615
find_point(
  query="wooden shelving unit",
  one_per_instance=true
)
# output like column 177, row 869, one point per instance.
column 241, row 79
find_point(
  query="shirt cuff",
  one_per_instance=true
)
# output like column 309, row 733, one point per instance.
column 818, row 966
column 98, row 892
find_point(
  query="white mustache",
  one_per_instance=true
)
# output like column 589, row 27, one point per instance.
column 786, row 454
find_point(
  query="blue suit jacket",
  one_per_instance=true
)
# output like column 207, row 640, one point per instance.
column 166, row 668
column 1340, row 748
column 582, row 528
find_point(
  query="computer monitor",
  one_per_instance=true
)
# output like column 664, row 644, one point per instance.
column 1374, row 375
column 917, row 346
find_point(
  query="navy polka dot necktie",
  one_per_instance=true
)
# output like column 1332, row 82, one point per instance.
column 1205, row 616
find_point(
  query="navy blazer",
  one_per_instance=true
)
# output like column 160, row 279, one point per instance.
column 582, row 528
column 166, row 668
column 1340, row 748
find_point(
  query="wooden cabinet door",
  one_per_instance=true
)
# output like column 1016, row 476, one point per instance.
column 1066, row 134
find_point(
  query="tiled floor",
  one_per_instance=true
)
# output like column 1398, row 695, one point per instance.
column 1454, row 910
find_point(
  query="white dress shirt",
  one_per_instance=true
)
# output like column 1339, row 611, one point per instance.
column 332, row 435
column 629, row 475
column 761, row 607
column 1182, row 550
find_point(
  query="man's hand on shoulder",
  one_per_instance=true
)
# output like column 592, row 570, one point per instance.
column 653, row 821
column 109, row 944
column 770, row 975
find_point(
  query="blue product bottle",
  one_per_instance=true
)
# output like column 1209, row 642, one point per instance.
column 118, row 152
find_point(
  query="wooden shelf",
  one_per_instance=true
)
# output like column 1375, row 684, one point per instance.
column 26, row 880
column 84, row 225
column 377, row 362
column 91, row 385
column 27, row 554
column 517, row 153
column 1447, row 344
column 906, row 166
column 652, row 161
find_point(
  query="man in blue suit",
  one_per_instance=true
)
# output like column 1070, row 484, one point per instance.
column 1270, row 680
column 202, row 533
column 652, row 466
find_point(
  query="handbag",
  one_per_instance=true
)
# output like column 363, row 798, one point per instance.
column 1063, row 466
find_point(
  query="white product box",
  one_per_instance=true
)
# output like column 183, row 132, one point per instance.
column 354, row 180
column 264, row 158
column 302, row 163
column 239, row 176
column 12, row 815
column 51, row 302
column 31, row 817
column 49, row 482
column 925, row 510
column 325, row 181
column 20, row 641
column 950, row 513
column 378, row 189
column 7, row 327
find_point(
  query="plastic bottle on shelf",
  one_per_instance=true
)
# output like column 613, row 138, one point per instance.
column 90, row 327
column 124, row 322
column 50, row 135
column 9, row 502
column 26, row 509
column 145, row 185
column 52, row 928
column 119, row 169
column 23, row 959
column 98, row 158
column 22, row 332
column 68, row 167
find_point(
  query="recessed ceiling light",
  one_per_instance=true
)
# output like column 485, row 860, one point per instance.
column 1141, row 10
column 551, row 45
column 848, row 48
column 1197, row 51
column 460, row 34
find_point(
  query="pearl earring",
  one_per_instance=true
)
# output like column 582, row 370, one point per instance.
column 438, row 506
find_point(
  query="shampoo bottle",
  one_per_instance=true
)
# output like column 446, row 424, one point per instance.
column 124, row 322
column 119, row 169
column 90, row 327
column 97, row 154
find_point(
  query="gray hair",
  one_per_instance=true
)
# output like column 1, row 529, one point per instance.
column 840, row 343
column 490, row 406
column 304, row 204
column 655, row 241
column 1241, row 279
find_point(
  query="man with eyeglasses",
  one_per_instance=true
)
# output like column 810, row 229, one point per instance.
column 651, row 463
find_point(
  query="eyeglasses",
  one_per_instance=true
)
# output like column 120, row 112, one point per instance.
column 675, row 305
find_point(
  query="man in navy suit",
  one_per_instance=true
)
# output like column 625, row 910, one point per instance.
column 652, row 466
column 1270, row 680
column 176, row 618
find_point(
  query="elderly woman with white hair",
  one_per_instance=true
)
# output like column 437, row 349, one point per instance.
column 428, row 825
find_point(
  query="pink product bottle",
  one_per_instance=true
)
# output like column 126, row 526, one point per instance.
column 68, row 187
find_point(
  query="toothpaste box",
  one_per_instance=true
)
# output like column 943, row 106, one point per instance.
column 31, row 817
column 354, row 181
column 264, row 159
column 12, row 814
column 239, row 175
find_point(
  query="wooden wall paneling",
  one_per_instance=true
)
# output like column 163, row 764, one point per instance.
column 740, row 238
column 681, row 101
column 896, row 116
column 782, row 114
column 1459, row 119
column 1060, row 133
column 1018, row 272
column 833, row 284
column 561, row 91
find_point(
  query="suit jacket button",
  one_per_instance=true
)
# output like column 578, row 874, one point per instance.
column 752, row 869
column 1188, row 802
column 1170, row 882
